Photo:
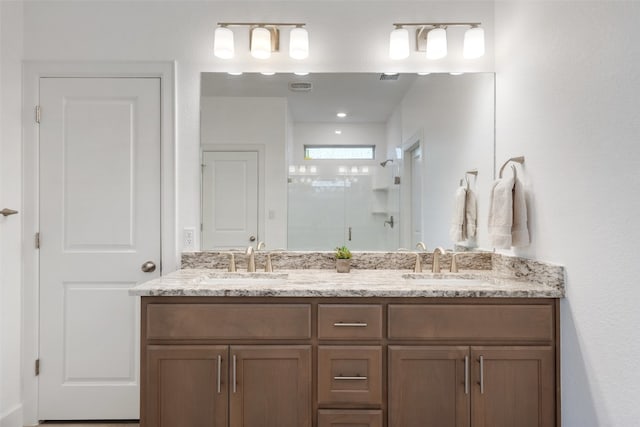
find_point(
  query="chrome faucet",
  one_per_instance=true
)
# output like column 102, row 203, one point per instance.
column 421, row 245
column 436, row 259
column 260, row 245
column 251, row 262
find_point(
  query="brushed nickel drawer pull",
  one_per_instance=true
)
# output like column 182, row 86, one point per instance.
column 466, row 375
column 219, row 371
column 349, row 378
column 481, row 375
column 350, row 324
column 234, row 373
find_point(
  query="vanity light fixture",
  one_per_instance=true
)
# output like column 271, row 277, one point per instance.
column 431, row 37
column 399, row 43
column 264, row 39
column 473, row 43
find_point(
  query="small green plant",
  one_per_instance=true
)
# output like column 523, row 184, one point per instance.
column 343, row 252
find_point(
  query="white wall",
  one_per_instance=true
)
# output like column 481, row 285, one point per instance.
column 568, row 85
column 454, row 115
column 234, row 121
column 10, row 197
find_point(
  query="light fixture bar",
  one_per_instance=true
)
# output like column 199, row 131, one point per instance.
column 437, row 24
column 261, row 24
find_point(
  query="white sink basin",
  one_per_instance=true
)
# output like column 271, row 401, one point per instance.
column 447, row 279
column 448, row 282
column 241, row 278
column 245, row 275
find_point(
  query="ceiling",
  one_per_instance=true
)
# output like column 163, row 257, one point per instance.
column 363, row 96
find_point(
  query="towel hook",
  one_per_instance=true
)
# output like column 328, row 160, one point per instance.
column 519, row 159
column 473, row 172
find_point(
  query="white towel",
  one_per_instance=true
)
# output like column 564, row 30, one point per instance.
column 471, row 214
column 520, row 229
column 501, row 213
column 458, row 231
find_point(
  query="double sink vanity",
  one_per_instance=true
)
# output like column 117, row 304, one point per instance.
column 381, row 346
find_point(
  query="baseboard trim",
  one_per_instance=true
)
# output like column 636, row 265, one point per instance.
column 12, row 418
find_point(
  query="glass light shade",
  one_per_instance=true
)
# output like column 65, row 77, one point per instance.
column 436, row 43
column 299, row 43
column 223, row 43
column 473, row 43
column 399, row 43
column 261, row 43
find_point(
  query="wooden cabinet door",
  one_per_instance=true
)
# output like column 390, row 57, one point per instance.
column 428, row 386
column 513, row 386
column 186, row 386
column 270, row 386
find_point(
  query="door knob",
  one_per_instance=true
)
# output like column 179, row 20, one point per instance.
column 252, row 238
column 148, row 267
column 7, row 212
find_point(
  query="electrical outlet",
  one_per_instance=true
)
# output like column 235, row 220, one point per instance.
column 188, row 239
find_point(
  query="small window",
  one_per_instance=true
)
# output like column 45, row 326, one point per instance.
column 339, row 152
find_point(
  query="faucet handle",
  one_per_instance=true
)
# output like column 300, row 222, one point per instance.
column 268, row 267
column 417, row 268
column 232, row 262
column 454, row 263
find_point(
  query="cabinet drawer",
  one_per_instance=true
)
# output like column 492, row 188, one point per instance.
column 228, row 321
column 471, row 322
column 349, row 322
column 345, row 418
column 349, row 374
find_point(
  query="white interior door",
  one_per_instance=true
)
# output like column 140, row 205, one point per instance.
column 230, row 199
column 99, row 222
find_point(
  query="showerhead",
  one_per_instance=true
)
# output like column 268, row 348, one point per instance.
column 384, row 164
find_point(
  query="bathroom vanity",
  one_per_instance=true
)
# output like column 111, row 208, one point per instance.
column 371, row 348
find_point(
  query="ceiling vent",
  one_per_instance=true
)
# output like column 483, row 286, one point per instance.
column 300, row 86
column 389, row 76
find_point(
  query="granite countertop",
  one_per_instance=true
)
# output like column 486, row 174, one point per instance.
column 328, row 283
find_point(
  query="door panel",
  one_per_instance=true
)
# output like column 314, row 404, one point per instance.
column 427, row 387
column 518, row 387
column 99, row 222
column 230, row 207
column 273, row 386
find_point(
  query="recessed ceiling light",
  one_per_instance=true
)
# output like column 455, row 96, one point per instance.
column 301, row 73
column 423, row 74
column 235, row 73
column 338, row 132
column 390, row 74
column 456, row 74
column 268, row 73
column 341, row 115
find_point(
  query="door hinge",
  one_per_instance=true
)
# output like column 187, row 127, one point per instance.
column 38, row 114
column 37, row 240
column 37, row 367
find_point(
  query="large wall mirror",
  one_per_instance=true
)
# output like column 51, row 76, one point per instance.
column 367, row 160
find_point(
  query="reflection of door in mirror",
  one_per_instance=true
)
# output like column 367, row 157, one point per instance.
column 416, row 194
column 230, row 199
